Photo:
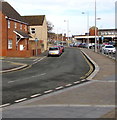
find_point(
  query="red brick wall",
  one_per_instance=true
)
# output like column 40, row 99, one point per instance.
column 7, row 33
column 4, row 36
column 0, row 33
column 92, row 31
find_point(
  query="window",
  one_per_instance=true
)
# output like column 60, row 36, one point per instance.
column 15, row 24
column 20, row 26
column 25, row 28
column 10, row 44
column 8, row 23
column 32, row 30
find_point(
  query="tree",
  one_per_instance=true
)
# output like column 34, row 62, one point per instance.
column 49, row 26
column 49, row 29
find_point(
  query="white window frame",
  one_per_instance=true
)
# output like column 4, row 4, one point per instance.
column 9, row 24
column 10, row 44
column 20, row 26
column 15, row 24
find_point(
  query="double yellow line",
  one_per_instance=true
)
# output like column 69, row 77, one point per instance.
column 90, row 65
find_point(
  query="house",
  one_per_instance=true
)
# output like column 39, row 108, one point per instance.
column 38, row 31
column 14, row 36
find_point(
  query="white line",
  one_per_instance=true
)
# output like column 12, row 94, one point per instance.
column 76, row 82
column 28, row 77
column 48, row 91
column 4, row 105
column 35, row 95
column 59, row 88
column 38, row 60
column 20, row 100
column 83, row 80
column 11, row 81
column 68, row 85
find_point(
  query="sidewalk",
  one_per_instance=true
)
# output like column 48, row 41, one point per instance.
column 93, row 99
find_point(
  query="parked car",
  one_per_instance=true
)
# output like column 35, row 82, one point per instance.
column 108, row 49
column 62, row 47
column 55, row 51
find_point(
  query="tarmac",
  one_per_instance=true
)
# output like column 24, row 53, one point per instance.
column 94, row 99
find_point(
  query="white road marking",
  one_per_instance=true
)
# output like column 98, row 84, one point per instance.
column 68, row 85
column 27, row 78
column 4, row 105
column 11, row 81
column 59, row 88
column 38, row 60
column 48, row 91
column 83, row 80
column 20, row 100
column 35, row 95
column 76, row 82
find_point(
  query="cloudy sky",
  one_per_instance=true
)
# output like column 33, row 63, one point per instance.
column 57, row 11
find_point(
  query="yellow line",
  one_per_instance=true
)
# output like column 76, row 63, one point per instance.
column 90, row 65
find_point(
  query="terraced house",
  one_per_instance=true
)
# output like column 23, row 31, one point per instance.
column 14, row 35
column 38, row 32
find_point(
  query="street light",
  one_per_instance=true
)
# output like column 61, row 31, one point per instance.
column 67, row 30
column 95, row 30
column 87, row 27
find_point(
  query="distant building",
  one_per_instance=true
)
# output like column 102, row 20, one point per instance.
column 102, row 35
column 37, row 30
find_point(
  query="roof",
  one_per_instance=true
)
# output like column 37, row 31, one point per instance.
column 107, row 30
column 10, row 12
column 21, row 34
column 34, row 20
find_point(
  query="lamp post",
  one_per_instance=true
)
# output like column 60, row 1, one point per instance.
column 95, row 30
column 87, row 27
column 67, row 30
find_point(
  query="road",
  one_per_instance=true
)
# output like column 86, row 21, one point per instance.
column 47, row 75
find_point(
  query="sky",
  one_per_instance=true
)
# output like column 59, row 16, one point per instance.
column 66, row 15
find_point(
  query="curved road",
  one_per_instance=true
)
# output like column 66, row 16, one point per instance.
column 48, row 74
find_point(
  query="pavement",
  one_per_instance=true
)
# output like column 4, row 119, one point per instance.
column 93, row 99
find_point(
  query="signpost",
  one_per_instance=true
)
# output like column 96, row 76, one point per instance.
column 36, row 42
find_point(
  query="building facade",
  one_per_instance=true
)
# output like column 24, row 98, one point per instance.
column 102, row 35
column 38, row 31
column 14, row 33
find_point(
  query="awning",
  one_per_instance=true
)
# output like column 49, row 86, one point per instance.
column 22, row 34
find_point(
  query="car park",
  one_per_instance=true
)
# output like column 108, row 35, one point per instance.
column 108, row 49
column 55, row 51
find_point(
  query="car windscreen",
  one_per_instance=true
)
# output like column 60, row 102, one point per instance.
column 109, row 46
column 53, row 48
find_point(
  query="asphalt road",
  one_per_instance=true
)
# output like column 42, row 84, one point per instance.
column 51, row 73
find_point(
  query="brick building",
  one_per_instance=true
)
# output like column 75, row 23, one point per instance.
column 37, row 30
column 14, row 36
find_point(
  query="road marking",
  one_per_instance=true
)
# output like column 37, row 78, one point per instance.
column 76, row 82
column 38, row 60
column 20, row 100
column 4, row 105
column 83, row 80
column 27, row 78
column 35, row 95
column 11, row 81
column 68, row 85
column 48, row 91
column 59, row 88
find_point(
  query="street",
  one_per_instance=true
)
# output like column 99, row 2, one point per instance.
column 51, row 73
